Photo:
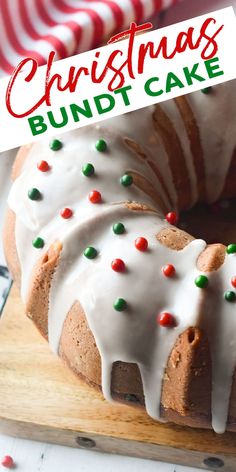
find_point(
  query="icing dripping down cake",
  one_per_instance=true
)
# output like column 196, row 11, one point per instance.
column 134, row 305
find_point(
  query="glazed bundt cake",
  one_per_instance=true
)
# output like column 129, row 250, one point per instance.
column 131, row 303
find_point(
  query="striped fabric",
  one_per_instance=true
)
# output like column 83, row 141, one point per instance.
column 35, row 27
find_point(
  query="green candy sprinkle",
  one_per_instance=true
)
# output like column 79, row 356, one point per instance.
column 118, row 228
column 34, row 194
column 206, row 90
column 120, row 304
column 90, row 252
column 88, row 170
column 201, row 281
column 126, row 180
column 38, row 243
column 101, row 145
column 230, row 296
column 55, row 145
column 231, row 249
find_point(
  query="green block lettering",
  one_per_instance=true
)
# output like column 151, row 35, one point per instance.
column 76, row 110
column 64, row 118
column 147, row 87
column 173, row 81
column 213, row 68
column 191, row 74
column 37, row 125
column 123, row 91
column 101, row 107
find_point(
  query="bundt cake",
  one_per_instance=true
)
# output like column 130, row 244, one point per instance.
column 131, row 303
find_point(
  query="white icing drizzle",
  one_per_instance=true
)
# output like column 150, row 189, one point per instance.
column 132, row 335
column 220, row 326
column 57, row 191
column 215, row 116
column 171, row 109
column 143, row 132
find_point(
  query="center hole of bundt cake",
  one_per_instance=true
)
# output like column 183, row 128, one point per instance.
column 214, row 223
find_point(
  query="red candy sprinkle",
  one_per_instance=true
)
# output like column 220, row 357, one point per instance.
column 118, row 265
column 166, row 320
column 7, row 462
column 95, row 196
column 43, row 166
column 233, row 281
column 172, row 218
column 141, row 244
column 66, row 213
column 168, row 270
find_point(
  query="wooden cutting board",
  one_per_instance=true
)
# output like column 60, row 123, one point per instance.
column 41, row 399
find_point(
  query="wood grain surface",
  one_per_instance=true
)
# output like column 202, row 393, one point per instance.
column 41, row 399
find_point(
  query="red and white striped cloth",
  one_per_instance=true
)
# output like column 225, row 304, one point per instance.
column 35, row 27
